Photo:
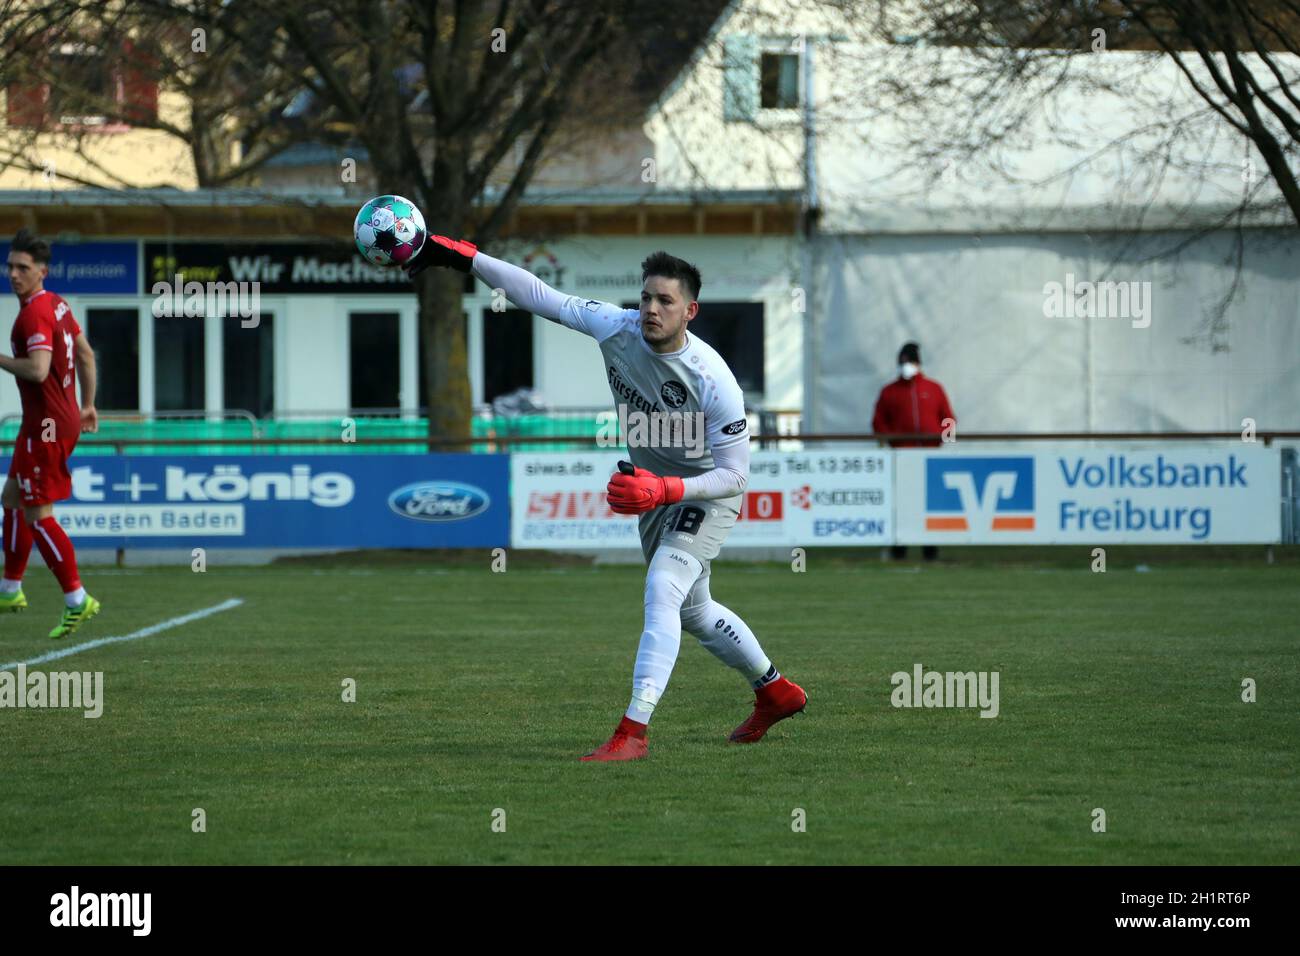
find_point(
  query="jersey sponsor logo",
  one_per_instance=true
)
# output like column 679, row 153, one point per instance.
column 980, row 494
column 591, row 305
column 735, row 428
column 674, row 394
column 634, row 398
column 439, row 501
column 35, row 339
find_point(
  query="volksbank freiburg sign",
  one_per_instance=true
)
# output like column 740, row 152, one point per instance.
column 1084, row 493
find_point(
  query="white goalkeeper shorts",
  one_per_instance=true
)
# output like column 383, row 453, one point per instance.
column 695, row 527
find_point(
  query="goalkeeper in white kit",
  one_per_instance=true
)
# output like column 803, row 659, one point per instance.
column 687, row 503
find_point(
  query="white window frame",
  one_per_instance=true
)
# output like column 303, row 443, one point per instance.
column 81, row 306
column 780, row 116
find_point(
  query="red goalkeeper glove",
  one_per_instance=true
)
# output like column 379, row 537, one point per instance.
column 634, row 490
column 441, row 251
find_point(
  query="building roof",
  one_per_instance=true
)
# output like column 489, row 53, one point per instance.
column 204, row 213
column 257, row 197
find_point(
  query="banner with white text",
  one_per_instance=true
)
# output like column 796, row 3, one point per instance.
column 1082, row 493
column 803, row 498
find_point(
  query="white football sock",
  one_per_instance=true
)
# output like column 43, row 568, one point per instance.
column 74, row 598
column 8, row 586
column 667, row 583
column 722, row 632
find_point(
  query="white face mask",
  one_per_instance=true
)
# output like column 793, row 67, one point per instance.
column 908, row 370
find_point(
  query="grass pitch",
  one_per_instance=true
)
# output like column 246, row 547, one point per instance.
column 476, row 692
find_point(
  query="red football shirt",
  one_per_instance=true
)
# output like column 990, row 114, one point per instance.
column 46, row 322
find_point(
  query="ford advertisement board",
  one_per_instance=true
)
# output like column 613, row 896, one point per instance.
column 288, row 501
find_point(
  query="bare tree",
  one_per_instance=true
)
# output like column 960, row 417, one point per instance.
column 1238, row 56
column 444, row 99
column 1020, row 62
column 74, row 60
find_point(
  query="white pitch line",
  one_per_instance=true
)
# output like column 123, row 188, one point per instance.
column 133, row 636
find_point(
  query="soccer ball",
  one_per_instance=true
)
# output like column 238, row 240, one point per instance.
column 389, row 230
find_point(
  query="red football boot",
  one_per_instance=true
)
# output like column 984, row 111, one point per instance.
column 628, row 743
column 778, row 700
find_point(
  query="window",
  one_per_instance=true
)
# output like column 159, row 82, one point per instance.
column 114, row 334
column 178, row 363
column 779, row 81
column 248, row 367
column 85, row 82
column 375, row 360
column 735, row 331
column 507, row 352
column 92, row 90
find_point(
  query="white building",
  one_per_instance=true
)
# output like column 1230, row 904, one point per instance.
column 969, row 262
column 328, row 341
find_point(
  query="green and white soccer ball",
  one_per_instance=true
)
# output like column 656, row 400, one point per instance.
column 389, row 230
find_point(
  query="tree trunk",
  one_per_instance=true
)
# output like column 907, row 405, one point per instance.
column 446, row 359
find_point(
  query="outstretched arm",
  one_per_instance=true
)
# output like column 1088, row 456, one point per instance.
column 521, row 287
column 598, row 319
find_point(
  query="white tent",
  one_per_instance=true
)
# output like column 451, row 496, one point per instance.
column 1122, row 176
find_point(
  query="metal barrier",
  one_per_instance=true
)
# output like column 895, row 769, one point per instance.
column 593, row 440
column 1290, row 496
column 137, row 417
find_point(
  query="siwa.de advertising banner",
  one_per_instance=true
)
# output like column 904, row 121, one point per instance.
column 1080, row 493
column 803, row 498
column 288, row 501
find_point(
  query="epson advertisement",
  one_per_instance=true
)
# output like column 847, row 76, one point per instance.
column 288, row 501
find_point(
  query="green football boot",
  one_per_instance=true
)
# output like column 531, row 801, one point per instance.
column 13, row 601
column 74, row 617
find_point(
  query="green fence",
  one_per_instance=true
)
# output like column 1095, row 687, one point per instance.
column 230, row 437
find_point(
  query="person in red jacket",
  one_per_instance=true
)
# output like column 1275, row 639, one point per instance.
column 912, row 404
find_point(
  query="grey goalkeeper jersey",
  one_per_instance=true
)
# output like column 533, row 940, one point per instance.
column 693, row 383
column 689, row 389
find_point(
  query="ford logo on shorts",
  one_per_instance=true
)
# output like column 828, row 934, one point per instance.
column 438, row 501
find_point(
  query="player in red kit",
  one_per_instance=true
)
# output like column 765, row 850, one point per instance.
column 48, row 346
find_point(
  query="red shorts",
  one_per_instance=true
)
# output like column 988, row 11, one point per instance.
column 41, row 469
